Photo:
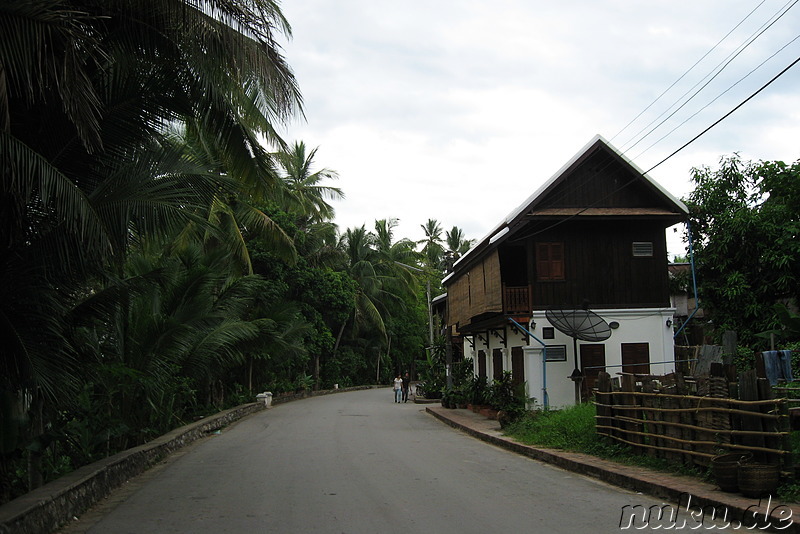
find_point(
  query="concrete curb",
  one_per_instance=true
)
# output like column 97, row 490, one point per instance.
column 670, row 488
column 53, row 505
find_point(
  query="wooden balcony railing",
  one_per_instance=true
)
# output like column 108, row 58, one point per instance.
column 517, row 299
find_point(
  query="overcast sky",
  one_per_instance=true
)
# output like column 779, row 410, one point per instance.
column 458, row 110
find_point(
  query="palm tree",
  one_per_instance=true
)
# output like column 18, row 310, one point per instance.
column 189, row 320
column 432, row 244
column 89, row 86
column 304, row 193
column 233, row 214
column 390, row 251
column 457, row 246
column 358, row 246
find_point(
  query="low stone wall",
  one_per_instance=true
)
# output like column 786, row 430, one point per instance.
column 48, row 508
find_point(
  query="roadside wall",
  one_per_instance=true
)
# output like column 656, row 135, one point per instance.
column 47, row 508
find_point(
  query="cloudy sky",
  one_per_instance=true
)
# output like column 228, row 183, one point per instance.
column 458, row 110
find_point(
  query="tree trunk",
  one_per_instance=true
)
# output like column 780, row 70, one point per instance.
column 250, row 374
column 316, row 372
column 35, row 478
column 339, row 338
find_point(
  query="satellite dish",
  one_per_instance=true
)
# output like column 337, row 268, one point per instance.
column 579, row 324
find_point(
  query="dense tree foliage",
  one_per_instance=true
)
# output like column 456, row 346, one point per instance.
column 164, row 253
column 745, row 223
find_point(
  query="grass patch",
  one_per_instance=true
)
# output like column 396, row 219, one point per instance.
column 572, row 429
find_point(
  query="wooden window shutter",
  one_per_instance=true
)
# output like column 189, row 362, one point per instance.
column 550, row 261
column 556, row 261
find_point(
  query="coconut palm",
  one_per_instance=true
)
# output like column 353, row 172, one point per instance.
column 305, row 194
column 188, row 321
column 432, row 248
column 88, row 88
column 233, row 215
column 457, row 246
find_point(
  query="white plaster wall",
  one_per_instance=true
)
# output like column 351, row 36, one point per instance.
column 647, row 325
column 635, row 326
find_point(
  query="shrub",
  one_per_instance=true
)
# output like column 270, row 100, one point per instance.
column 507, row 397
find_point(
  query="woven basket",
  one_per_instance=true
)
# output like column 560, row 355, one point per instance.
column 758, row 480
column 725, row 469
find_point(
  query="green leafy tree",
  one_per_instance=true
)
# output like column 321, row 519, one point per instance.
column 745, row 219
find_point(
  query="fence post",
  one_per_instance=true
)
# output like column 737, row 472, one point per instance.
column 748, row 390
column 605, row 413
column 628, row 384
column 784, row 425
column 774, row 442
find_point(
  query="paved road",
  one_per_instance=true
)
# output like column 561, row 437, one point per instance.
column 356, row 463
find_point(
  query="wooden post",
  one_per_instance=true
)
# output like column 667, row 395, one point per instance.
column 784, row 426
column 748, row 390
column 718, row 388
column 605, row 413
column 651, row 428
column 765, row 393
column 728, row 346
column 685, row 418
column 629, row 385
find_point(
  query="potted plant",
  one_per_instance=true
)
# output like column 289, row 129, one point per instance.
column 508, row 398
column 461, row 402
column 447, row 400
column 476, row 393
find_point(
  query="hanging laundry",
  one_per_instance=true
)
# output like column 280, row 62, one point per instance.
column 778, row 365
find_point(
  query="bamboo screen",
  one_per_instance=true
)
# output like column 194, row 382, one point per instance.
column 476, row 291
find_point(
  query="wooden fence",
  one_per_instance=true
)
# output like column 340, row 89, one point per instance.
column 690, row 421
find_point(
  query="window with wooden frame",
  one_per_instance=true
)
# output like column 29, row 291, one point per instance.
column 549, row 261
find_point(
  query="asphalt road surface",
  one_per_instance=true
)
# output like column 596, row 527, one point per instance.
column 357, row 462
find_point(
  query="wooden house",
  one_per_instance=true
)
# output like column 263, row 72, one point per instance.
column 592, row 237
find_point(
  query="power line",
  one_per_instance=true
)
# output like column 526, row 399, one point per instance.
column 746, row 100
column 777, row 15
column 781, row 49
column 690, row 69
column 721, row 67
column 695, row 138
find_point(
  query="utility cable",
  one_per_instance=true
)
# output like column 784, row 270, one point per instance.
column 746, row 100
column 775, row 17
column 690, row 69
column 695, row 138
column 781, row 49
column 719, row 70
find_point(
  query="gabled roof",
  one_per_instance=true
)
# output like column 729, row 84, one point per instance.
column 663, row 205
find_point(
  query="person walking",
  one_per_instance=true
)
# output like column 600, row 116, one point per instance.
column 398, row 388
column 406, row 384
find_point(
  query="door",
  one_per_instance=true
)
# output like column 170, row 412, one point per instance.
column 517, row 366
column 497, row 364
column 636, row 358
column 481, row 364
column 592, row 357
